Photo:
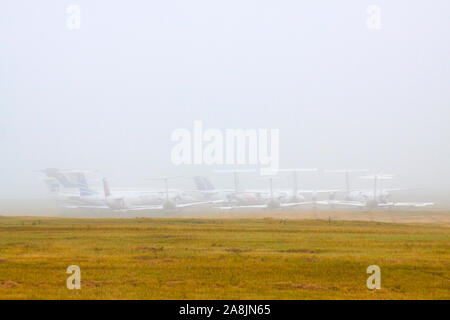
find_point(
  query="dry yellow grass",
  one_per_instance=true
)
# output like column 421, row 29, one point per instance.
column 221, row 259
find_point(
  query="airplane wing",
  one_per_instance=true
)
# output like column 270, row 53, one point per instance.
column 192, row 204
column 293, row 204
column 342, row 203
column 87, row 207
column 387, row 204
column 324, row 202
column 413, row 204
column 161, row 207
column 155, row 207
column 407, row 204
column 264, row 206
column 256, row 206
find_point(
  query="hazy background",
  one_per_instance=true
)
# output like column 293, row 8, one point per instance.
column 109, row 95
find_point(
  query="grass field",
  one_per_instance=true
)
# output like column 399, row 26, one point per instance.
column 221, row 258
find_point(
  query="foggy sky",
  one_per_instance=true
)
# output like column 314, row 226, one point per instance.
column 109, row 95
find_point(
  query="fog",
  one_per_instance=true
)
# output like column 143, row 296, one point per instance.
column 108, row 96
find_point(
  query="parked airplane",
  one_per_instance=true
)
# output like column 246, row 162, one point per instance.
column 145, row 200
column 373, row 198
column 71, row 188
column 298, row 194
column 263, row 198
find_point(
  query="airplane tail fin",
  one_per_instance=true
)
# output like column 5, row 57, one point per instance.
column 106, row 189
column 60, row 177
column 203, row 184
column 85, row 190
column 199, row 183
column 208, row 184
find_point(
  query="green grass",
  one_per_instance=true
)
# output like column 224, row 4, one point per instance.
column 221, row 259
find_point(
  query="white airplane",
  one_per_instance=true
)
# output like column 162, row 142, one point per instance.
column 376, row 198
column 145, row 200
column 265, row 200
column 70, row 187
column 269, row 199
column 206, row 191
column 299, row 194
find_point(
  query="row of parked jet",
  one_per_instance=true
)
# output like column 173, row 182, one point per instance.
column 72, row 190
